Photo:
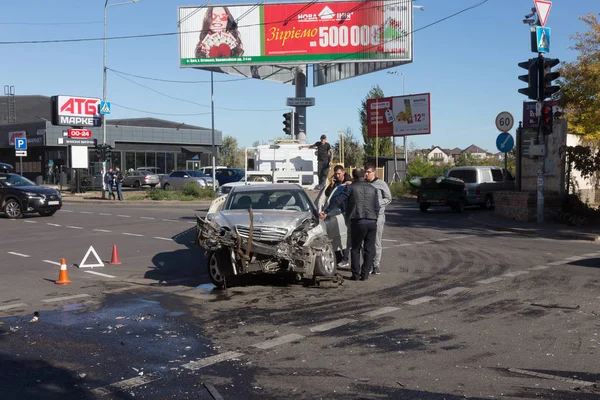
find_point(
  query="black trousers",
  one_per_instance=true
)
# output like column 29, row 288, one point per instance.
column 362, row 234
column 322, row 171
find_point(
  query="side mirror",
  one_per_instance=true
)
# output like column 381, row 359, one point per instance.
column 186, row 176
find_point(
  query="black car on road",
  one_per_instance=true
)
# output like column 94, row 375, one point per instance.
column 18, row 195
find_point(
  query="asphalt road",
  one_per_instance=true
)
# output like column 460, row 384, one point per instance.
column 458, row 311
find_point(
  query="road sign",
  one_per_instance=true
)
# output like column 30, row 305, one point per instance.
column 75, row 142
column 105, row 107
column 21, row 143
column 543, row 39
column 505, row 142
column 21, row 153
column 300, row 101
column 543, row 9
column 504, row 121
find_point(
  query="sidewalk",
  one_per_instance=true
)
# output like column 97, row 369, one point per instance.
column 552, row 230
column 95, row 197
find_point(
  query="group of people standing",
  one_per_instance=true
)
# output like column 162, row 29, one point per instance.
column 362, row 200
column 114, row 181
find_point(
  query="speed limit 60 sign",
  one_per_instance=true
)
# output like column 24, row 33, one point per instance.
column 504, row 121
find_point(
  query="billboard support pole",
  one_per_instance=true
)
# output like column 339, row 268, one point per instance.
column 212, row 128
column 300, row 83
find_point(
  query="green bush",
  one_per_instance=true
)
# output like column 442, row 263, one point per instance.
column 401, row 189
column 190, row 192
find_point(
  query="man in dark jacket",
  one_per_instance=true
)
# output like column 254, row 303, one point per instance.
column 340, row 177
column 362, row 208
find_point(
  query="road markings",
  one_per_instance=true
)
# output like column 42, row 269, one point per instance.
column 66, row 210
column 267, row 344
column 453, row 291
column 170, row 220
column 18, row 254
column 574, row 258
column 539, row 268
column 85, row 212
column 52, row 262
column 331, row 325
column 31, row 222
column 557, row 263
column 131, row 234
column 205, row 362
column 126, row 384
column 74, row 227
column 123, row 216
column 147, row 217
column 442, row 240
column 515, row 273
column 191, row 222
column 11, row 306
column 162, row 238
column 388, row 240
column 101, row 230
column 419, row 300
column 99, row 274
column 56, row 299
column 403, row 245
column 424, row 242
column 490, row 280
column 379, row 311
column 591, row 255
column 105, row 214
column 48, row 223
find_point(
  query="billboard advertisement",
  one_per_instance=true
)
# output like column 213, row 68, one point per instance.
column 399, row 115
column 13, row 135
column 297, row 33
column 75, row 111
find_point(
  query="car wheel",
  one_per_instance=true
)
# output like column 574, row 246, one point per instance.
column 166, row 186
column 489, row 202
column 136, row 184
column 325, row 261
column 13, row 209
column 218, row 265
column 47, row 213
column 152, row 186
column 423, row 207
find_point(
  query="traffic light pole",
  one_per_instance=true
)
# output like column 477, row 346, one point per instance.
column 541, row 142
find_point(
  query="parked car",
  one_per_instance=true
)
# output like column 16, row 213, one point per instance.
column 228, row 175
column 208, row 170
column 481, row 182
column 252, row 180
column 18, row 196
column 4, row 167
column 138, row 178
column 151, row 171
column 177, row 179
column 280, row 233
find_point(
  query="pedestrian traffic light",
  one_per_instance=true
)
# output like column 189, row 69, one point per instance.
column 108, row 152
column 547, row 119
column 288, row 123
column 546, row 87
column 532, row 77
column 98, row 151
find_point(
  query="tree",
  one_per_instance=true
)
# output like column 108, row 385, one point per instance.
column 230, row 154
column 385, row 143
column 580, row 83
column 354, row 152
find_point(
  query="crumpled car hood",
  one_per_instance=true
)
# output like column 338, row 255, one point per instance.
column 275, row 218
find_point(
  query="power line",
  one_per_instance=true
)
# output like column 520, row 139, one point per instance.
column 158, row 113
column 173, row 81
column 150, row 35
column 193, row 102
column 51, row 23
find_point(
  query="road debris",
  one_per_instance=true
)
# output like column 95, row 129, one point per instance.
column 36, row 317
column 213, row 391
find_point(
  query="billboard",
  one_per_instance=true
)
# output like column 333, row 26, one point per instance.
column 295, row 33
column 399, row 115
column 75, row 111
column 13, row 135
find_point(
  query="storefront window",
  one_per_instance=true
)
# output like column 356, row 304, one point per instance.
column 181, row 158
column 161, row 163
column 150, row 159
column 116, row 159
column 129, row 160
column 170, row 163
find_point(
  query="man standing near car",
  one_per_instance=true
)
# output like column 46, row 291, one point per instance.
column 324, row 158
column 385, row 197
column 108, row 180
column 119, row 182
column 341, row 177
column 362, row 207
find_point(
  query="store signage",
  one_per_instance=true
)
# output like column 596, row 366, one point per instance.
column 80, row 133
column 75, row 111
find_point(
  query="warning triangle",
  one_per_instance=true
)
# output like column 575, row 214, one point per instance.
column 543, row 9
column 105, row 108
column 98, row 263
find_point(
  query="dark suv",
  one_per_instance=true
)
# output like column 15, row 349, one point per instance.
column 18, row 195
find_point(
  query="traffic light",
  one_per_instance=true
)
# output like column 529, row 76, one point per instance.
column 288, row 123
column 532, row 78
column 98, row 151
column 547, row 119
column 108, row 152
column 546, row 87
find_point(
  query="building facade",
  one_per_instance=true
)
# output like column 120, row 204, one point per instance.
column 136, row 142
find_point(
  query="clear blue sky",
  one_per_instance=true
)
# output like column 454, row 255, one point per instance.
column 467, row 63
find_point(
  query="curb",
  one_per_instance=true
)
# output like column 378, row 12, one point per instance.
column 590, row 237
column 137, row 202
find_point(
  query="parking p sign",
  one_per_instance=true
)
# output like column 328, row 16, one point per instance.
column 20, row 144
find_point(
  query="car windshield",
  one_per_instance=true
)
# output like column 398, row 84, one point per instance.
column 289, row 200
column 15, row 180
column 197, row 174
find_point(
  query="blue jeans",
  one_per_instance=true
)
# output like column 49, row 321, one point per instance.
column 119, row 191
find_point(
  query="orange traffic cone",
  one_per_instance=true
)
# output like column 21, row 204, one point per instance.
column 115, row 256
column 63, row 276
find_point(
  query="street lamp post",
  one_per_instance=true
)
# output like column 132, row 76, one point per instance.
column 106, row 5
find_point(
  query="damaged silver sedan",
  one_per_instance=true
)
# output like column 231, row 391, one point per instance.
column 272, row 228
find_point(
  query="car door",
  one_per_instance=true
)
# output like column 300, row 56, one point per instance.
column 179, row 179
column 335, row 222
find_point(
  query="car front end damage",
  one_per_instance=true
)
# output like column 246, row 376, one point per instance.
column 258, row 242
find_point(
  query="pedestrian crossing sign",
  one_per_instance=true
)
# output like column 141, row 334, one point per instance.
column 105, row 107
column 543, row 39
